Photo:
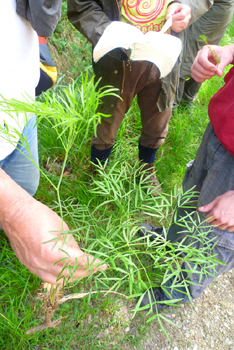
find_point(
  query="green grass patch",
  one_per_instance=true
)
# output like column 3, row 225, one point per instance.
column 103, row 213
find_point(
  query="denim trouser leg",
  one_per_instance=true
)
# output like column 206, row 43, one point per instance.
column 16, row 164
column 212, row 174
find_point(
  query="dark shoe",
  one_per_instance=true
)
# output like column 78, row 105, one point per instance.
column 152, row 297
column 94, row 171
column 154, row 186
column 150, row 230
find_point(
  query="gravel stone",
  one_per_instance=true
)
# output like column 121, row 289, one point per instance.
column 207, row 324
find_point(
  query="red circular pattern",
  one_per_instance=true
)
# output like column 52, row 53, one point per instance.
column 136, row 10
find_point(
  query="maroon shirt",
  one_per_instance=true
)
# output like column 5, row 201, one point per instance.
column 221, row 112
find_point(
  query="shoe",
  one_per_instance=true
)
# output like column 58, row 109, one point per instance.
column 152, row 297
column 94, row 171
column 151, row 231
column 151, row 181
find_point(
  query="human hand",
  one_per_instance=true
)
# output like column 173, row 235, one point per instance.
column 221, row 211
column 181, row 15
column 29, row 224
column 205, row 67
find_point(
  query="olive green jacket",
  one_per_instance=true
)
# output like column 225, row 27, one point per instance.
column 92, row 17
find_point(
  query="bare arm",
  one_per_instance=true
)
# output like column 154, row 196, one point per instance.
column 221, row 211
column 28, row 224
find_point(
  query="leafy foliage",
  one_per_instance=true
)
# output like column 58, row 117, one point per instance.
column 103, row 213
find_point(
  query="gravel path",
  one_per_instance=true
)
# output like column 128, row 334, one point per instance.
column 208, row 324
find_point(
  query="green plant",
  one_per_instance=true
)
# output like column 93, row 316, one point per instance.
column 100, row 222
column 215, row 56
column 108, row 222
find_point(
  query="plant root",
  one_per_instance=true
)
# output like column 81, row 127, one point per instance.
column 51, row 299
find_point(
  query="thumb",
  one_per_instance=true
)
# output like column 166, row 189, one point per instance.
column 170, row 11
column 208, row 207
column 220, row 69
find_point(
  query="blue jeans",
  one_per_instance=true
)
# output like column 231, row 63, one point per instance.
column 18, row 166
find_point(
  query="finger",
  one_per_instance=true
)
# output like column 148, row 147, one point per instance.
column 51, row 274
column 72, row 273
column 208, row 207
column 203, row 70
column 222, row 226
column 226, row 227
column 91, row 263
column 220, row 69
column 70, row 255
column 209, row 218
column 214, row 223
column 180, row 16
column 200, row 79
column 219, row 72
column 83, row 262
column 230, row 228
column 46, row 276
column 200, row 74
column 205, row 60
column 170, row 11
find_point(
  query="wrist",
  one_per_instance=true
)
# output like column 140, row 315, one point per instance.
column 13, row 201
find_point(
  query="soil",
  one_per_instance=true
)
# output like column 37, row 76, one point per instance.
column 207, row 324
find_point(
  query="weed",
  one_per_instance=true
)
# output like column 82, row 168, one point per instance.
column 103, row 217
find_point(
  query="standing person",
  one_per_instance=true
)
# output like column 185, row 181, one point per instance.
column 213, row 25
column 27, row 222
column 141, row 78
column 48, row 70
column 211, row 175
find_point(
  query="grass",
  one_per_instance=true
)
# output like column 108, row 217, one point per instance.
column 104, row 217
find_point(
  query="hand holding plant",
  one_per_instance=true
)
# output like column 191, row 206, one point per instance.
column 211, row 61
column 36, row 236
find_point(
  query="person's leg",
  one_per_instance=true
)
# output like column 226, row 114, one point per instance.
column 188, row 201
column 135, row 79
column 212, row 174
column 179, row 93
column 103, row 143
column 191, row 285
column 18, row 166
column 154, row 126
column 154, row 122
column 191, row 88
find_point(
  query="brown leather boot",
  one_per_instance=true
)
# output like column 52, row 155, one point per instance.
column 151, row 181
